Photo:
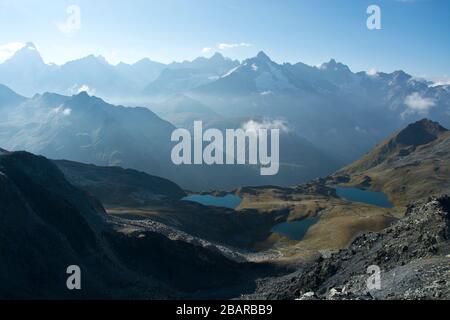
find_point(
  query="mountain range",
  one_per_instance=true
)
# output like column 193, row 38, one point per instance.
column 28, row 74
column 87, row 129
column 341, row 112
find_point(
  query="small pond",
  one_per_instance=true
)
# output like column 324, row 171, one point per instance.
column 229, row 201
column 295, row 230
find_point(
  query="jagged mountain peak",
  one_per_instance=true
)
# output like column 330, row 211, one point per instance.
column 94, row 58
column 83, row 98
column 260, row 60
column 333, row 65
column 82, row 94
column 217, row 56
column 89, row 61
column 26, row 55
column 400, row 76
column 217, row 64
column 30, row 45
column 144, row 62
column 262, row 56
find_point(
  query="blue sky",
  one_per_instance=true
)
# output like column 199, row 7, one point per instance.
column 414, row 36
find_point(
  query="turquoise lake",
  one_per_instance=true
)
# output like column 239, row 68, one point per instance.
column 378, row 199
column 295, row 230
column 229, row 201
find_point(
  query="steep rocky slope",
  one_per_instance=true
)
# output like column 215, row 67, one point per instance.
column 238, row 229
column 47, row 224
column 413, row 255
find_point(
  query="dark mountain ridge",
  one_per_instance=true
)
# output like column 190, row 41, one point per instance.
column 118, row 186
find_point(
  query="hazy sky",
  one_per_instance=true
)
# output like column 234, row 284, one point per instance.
column 414, row 36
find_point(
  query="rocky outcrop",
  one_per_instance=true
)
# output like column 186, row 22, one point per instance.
column 420, row 133
column 412, row 255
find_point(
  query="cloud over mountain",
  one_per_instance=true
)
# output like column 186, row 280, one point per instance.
column 254, row 126
column 416, row 103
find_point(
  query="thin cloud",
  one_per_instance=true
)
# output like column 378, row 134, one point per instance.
column 85, row 88
column 77, row 89
column 440, row 81
column 253, row 126
column 61, row 110
column 415, row 103
column 225, row 46
column 372, row 72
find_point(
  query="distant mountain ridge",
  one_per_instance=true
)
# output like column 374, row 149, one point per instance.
column 9, row 97
column 27, row 73
column 87, row 129
column 341, row 113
